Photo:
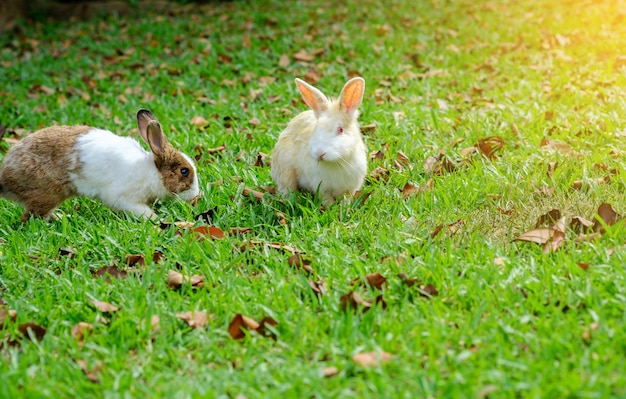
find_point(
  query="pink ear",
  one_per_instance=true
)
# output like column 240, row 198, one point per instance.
column 315, row 99
column 352, row 95
column 143, row 119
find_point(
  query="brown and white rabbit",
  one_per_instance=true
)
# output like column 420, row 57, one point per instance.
column 322, row 150
column 59, row 162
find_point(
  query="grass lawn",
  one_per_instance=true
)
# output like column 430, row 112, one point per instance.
column 475, row 313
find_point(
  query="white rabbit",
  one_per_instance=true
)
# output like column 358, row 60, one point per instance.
column 322, row 150
column 60, row 162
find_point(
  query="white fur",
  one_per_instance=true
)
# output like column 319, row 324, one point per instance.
column 119, row 172
column 312, row 156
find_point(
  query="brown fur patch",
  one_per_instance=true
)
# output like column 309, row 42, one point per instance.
column 170, row 163
column 36, row 171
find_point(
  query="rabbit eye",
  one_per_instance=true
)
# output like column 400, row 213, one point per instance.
column 184, row 172
column 339, row 130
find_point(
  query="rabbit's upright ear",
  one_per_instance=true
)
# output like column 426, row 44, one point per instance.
column 144, row 117
column 352, row 95
column 315, row 99
column 156, row 138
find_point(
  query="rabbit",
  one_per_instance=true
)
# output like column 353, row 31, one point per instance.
column 321, row 150
column 59, row 162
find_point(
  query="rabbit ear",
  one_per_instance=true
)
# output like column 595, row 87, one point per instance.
column 352, row 95
column 144, row 117
column 315, row 99
column 156, row 138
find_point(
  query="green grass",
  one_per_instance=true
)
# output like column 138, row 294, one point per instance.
column 535, row 326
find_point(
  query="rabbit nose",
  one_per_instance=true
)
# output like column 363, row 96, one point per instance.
column 320, row 156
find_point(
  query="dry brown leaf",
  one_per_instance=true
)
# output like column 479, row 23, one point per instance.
column 240, row 230
column 549, row 218
column 154, row 323
column 250, row 193
column 559, row 147
column 379, row 173
column 176, row 280
column 319, row 286
column 539, row 235
column 69, row 252
column 80, row 330
column 328, row 372
column 583, row 266
column 297, row 261
column 202, row 232
column 199, row 122
column 284, row 61
column 488, row 146
column 408, row 281
column 282, row 219
column 372, row 359
column 353, row 301
column 551, row 168
column 105, row 307
column 90, row 374
column 403, row 159
column 135, row 259
column 273, row 245
column 378, row 154
column 240, row 323
column 374, row 280
column 194, row 319
column 369, row 128
column 555, row 243
column 32, row 330
column 6, row 314
column 607, row 216
column 580, row 224
column 110, row 271
column 440, row 164
column 466, row 152
column 302, row 55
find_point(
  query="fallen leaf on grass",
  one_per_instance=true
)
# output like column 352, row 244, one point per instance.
column 297, row 261
column 110, row 271
column 89, row 373
column 105, row 307
column 580, row 224
column 582, row 265
column 426, row 290
column 379, row 173
column 453, row 228
column 199, row 122
column 410, row 188
column 284, row 61
column 607, row 216
column 372, row 359
column 440, row 164
column 374, row 280
column 369, row 128
column 202, row 232
column 194, row 319
column 240, row 323
column 352, row 301
column 489, row 146
column 176, row 280
column 135, row 259
column 549, row 218
column 154, row 323
column 6, row 314
column 328, row 372
column 69, row 252
column 319, row 287
column 80, row 330
column 556, row 146
column 32, row 330
column 273, row 245
column 240, row 230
